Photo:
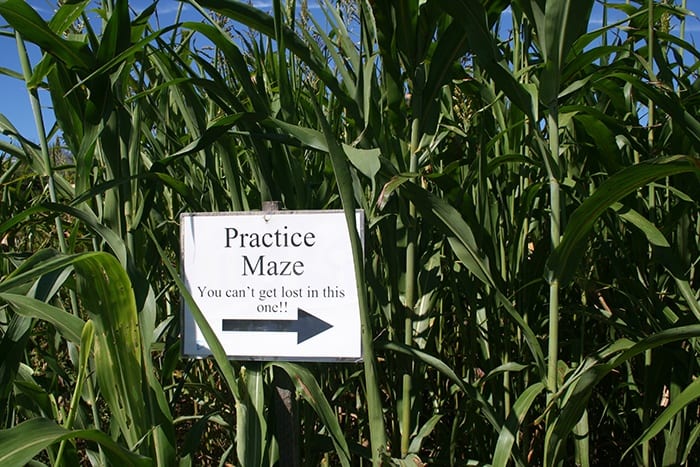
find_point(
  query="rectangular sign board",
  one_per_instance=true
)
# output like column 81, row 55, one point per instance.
column 273, row 285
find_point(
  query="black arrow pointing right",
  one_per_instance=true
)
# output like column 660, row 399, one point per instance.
column 306, row 325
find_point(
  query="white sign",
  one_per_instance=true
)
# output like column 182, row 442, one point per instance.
column 276, row 285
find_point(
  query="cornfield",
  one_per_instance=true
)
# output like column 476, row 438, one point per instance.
column 530, row 280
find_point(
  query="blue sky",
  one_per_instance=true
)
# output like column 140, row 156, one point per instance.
column 15, row 106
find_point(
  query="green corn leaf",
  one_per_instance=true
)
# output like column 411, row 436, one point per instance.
column 115, row 242
column 215, row 346
column 486, row 408
column 10, row 150
column 450, row 47
column 654, row 235
column 564, row 22
column 578, row 389
column 46, row 261
column 68, row 325
column 670, row 104
column 656, row 340
column 669, row 259
column 690, row 444
column 678, row 403
column 195, row 435
column 66, row 15
column 265, row 24
column 251, row 427
column 424, row 432
column 306, row 136
column 235, row 57
column 106, row 293
column 365, row 160
column 510, row 367
column 308, row 388
column 509, row 432
column 463, row 243
column 344, row 182
column 472, row 17
column 12, row 349
column 87, row 338
column 19, row 444
column 572, row 410
column 33, row 28
column 69, row 112
column 213, row 132
column 18, row 218
column 449, row 218
column 339, row 55
column 117, row 33
column 564, row 260
column 83, row 214
column 602, row 131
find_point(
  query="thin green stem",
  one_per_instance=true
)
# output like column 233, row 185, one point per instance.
column 581, row 432
column 554, row 169
column 41, row 132
column 410, row 296
column 604, row 58
column 85, row 349
column 555, row 236
column 646, row 416
column 646, row 447
column 684, row 5
column 650, row 102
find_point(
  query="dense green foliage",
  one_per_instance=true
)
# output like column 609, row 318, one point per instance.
column 530, row 290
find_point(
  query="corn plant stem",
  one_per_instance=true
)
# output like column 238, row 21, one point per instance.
column 519, row 62
column 554, row 169
column 650, row 103
column 555, row 236
column 684, row 5
column 581, row 431
column 133, row 163
column 410, row 296
column 681, row 34
column 86, row 341
column 646, row 416
column 125, row 189
column 43, row 143
column 178, row 14
column 646, row 448
column 10, row 171
column 635, row 153
column 604, row 59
